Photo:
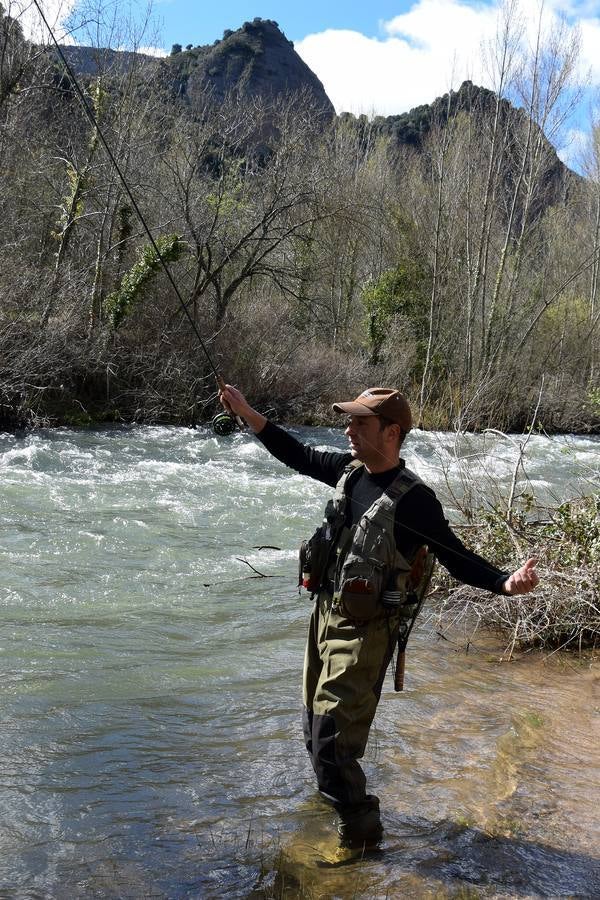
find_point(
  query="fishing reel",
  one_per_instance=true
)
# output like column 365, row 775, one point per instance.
column 224, row 424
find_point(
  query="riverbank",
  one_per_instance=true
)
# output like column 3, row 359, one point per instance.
column 56, row 411
column 563, row 613
column 65, row 379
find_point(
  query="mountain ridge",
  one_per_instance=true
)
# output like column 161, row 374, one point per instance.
column 257, row 60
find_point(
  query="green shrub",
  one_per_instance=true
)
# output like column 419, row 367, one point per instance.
column 119, row 304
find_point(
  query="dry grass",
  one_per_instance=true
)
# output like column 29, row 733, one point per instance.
column 564, row 610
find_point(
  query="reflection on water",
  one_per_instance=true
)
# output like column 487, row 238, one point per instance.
column 150, row 738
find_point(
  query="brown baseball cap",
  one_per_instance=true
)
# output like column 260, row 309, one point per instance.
column 379, row 401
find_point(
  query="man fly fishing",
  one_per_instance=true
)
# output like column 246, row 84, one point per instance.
column 367, row 567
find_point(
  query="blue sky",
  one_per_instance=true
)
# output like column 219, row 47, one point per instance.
column 387, row 56
column 379, row 57
column 189, row 22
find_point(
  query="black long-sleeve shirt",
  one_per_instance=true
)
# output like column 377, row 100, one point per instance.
column 419, row 514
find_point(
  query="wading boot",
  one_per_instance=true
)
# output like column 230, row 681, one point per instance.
column 359, row 825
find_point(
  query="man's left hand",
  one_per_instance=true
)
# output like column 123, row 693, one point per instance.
column 523, row 580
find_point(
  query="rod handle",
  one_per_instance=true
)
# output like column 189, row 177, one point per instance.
column 221, row 385
column 399, row 673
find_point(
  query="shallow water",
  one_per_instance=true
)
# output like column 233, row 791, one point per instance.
column 150, row 742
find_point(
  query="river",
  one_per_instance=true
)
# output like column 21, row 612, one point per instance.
column 150, row 693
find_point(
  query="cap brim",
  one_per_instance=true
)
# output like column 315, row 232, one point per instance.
column 353, row 409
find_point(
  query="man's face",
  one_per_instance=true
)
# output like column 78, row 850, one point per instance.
column 366, row 438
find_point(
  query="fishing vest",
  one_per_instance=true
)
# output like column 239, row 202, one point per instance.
column 360, row 566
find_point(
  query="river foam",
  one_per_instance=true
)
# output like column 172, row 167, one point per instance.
column 150, row 691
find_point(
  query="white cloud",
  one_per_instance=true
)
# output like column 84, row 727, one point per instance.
column 362, row 74
column 579, row 9
column 585, row 16
column 152, row 51
column 427, row 50
column 576, row 149
column 445, row 26
column 590, row 46
column 56, row 13
column 433, row 47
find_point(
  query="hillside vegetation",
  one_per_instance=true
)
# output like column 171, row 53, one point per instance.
column 447, row 252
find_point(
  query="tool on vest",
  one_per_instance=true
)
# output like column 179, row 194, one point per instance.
column 392, row 599
column 314, row 556
column 220, row 425
column 369, row 561
column 418, row 582
column 360, row 566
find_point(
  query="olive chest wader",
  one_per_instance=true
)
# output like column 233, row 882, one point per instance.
column 365, row 597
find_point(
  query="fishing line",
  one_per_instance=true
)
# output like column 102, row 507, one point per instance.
column 224, row 423
column 425, row 538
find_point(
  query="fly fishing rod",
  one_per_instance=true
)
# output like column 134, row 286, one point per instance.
column 224, row 423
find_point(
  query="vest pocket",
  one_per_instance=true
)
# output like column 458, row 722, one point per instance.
column 313, row 559
column 359, row 593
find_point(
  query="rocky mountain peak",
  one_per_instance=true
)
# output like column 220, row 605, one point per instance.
column 256, row 60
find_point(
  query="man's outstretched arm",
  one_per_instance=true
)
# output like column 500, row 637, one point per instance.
column 323, row 465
